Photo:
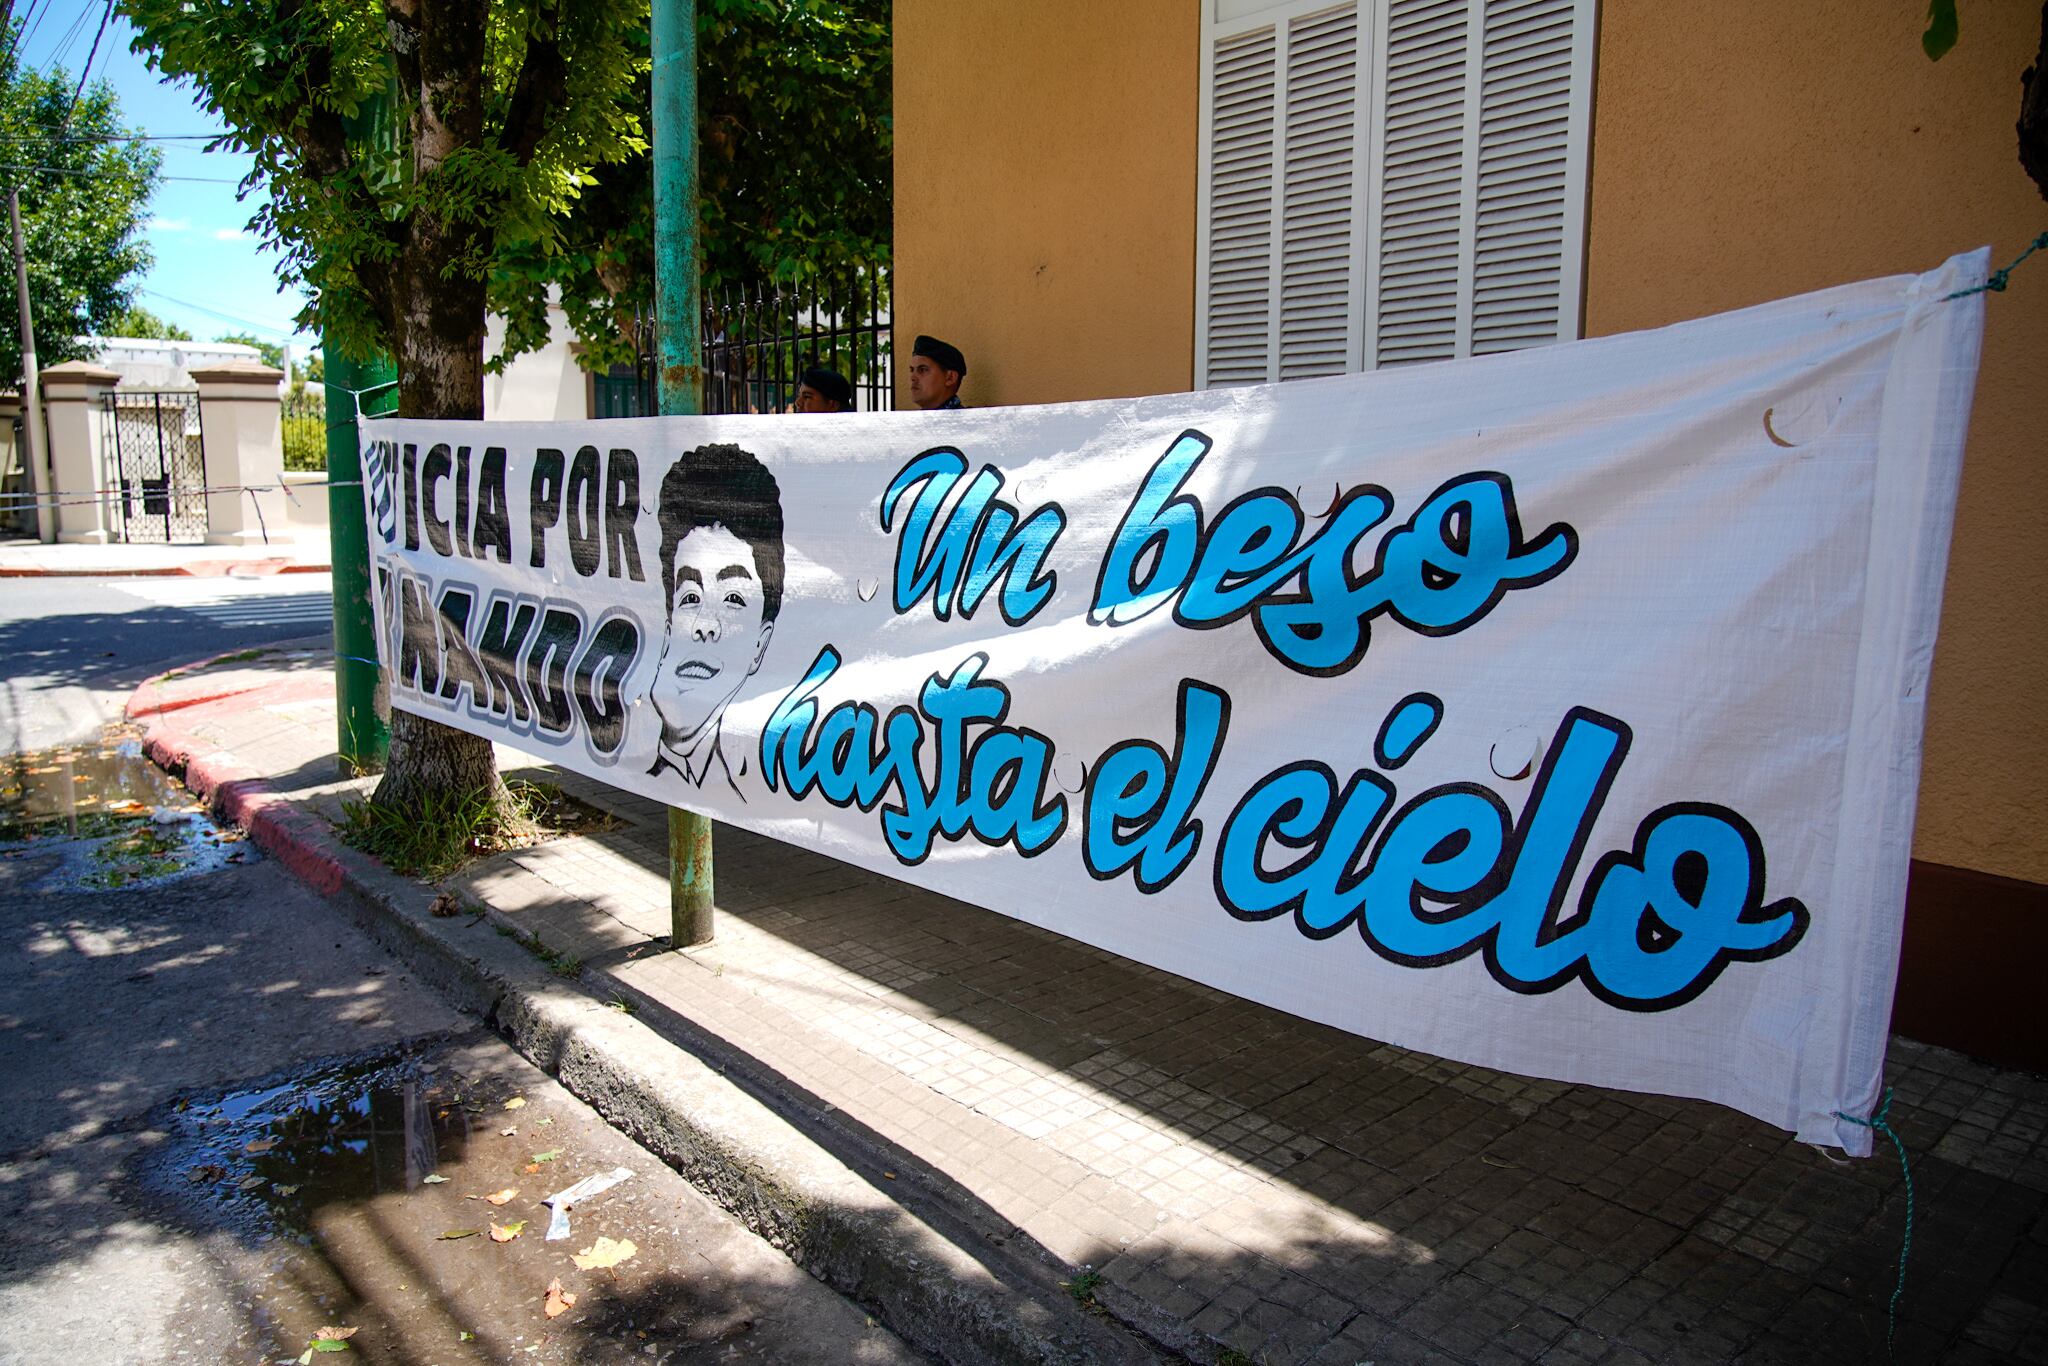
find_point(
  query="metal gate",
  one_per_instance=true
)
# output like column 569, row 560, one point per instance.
column 159, row 466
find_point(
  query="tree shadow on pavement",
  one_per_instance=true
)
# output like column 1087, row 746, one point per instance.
column 1407, row 1190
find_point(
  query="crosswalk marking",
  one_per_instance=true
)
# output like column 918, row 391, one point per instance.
column 300, row 599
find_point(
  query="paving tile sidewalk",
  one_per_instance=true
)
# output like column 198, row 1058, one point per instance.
column 1242, row 1185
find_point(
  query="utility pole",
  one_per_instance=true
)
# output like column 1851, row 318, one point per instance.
column 678, row 323
column 40, row 481
column 355, row 388
column 362, row 730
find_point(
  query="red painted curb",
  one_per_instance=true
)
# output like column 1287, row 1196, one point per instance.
column 170, row 573
column 149, row 699
column 88, row 573
column 304, row 844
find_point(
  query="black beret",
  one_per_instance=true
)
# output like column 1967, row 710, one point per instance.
column 829, row 384
column 945, row 355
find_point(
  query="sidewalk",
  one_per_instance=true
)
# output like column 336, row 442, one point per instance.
column 28, row 558
column 957, row 1112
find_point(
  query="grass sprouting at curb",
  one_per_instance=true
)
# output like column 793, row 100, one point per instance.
column 560, row 964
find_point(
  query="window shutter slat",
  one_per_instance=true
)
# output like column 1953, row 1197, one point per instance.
column 1422, row 169
column 1316, row 229
column 1524, row 146
column 1240, row 209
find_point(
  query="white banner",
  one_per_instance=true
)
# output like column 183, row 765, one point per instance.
column 1557, row 711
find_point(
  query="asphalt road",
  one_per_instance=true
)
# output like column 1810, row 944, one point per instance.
column 71, row 650
column 233, row 1121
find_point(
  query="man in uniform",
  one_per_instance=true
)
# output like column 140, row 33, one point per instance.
column 822, row 391
column 936, row 369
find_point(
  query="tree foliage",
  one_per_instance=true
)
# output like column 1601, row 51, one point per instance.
column 84, row 191
column 795, row 146
column 144, row 325
column 794, row 169
column 418, row 154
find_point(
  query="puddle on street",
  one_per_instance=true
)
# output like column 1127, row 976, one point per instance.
column 103, row 817
column 263, row 1160
column 393, row 1194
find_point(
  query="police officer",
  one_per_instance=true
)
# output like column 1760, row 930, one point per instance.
column 820, row 390
column 936, row 369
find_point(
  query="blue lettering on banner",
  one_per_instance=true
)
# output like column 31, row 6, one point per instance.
column 991, row 787
column 977, row 544
column 1138, row 800
column 1443, row 570
column 1449, row 877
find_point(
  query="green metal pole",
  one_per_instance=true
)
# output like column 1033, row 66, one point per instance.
column 362, row 726
column 363, row 735
column 677, row 323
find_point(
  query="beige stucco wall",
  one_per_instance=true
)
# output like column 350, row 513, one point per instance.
column 1753, row 148
column 1045, row 222
column 1045, row 193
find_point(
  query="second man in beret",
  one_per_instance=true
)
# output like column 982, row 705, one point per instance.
column 936, row 369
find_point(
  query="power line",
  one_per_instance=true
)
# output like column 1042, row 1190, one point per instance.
column 64, row 44
column 90, row 53
column 30, row 22
column 65, row 170
column 19, row 32
column 129, row 137
column 216, row 313
column 59, row 135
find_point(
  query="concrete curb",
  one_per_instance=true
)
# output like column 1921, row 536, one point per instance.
column 203, row 569
column 761, row 1168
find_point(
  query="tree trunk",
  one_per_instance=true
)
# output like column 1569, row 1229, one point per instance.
column 438, row 330
column 2033, row 125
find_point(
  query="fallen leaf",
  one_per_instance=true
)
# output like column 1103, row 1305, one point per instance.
column 559, row 1299
column 325, row 1345
column 505, row 1233
column 497, row 1197
column 530, row 1168
column 459, row 1233
column 433, row 1180
column 515, row 1103
column 259, row 1145
column 467, row 1336
column 509, row 1133
column 550, row 1119
column 604, row 1254
column 212, row 1171
column 445, row 905
column 286, row 1190
column 548, row 1156
column 337, row 1334
column 249, row 1183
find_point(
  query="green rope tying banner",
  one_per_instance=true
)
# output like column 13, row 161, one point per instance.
column 1880, row 1122
column 1996, row 285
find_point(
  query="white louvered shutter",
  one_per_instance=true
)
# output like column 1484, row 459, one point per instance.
column 1420, row 178
column 1239, row 257
column 1525, row 179
column 1391, row 182
column 1316, row 233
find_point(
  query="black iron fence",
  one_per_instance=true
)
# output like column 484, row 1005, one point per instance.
column 159, row 465
column 758, row 341
column 304, row 413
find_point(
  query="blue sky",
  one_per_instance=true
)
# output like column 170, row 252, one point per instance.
column 209, row 277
